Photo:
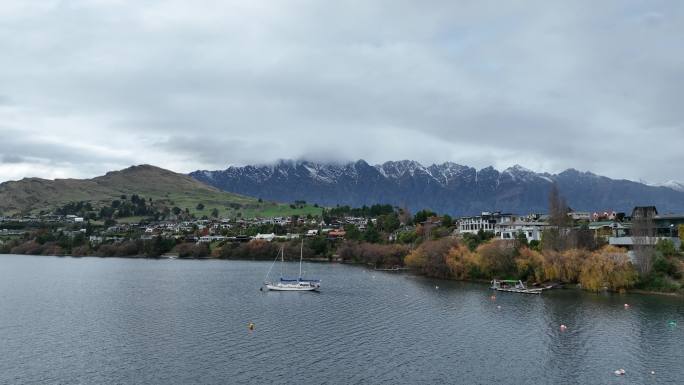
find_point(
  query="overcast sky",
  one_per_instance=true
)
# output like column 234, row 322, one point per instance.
column 88, row 86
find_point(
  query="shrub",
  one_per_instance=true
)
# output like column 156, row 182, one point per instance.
column 430, row 257
column 497, row 258
column 666, row 247
column 667, row 266
column 192, row 250
column 659, row 282
column 29, row 248
column 373, row 254
column 81, row 251
column 565, row 266
column 530, row 265
column 52, row 248
column 463, row 263
column 608, row 268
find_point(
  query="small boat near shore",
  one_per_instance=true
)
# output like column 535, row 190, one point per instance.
column 513, row 286
column 393, row 268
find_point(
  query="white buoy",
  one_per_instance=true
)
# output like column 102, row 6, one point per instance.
column 626, row 305
column 436, row 287
column 652, row 371
column 620, row 372
column 563, row 327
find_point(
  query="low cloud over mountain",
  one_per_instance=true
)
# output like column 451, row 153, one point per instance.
column 447, row 187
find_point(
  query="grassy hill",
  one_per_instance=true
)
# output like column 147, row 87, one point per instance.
column 33, row 195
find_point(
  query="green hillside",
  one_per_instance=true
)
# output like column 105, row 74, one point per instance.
column 33, row 195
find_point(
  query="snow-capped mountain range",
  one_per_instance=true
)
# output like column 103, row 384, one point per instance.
column 447, row 187
column 673, row 184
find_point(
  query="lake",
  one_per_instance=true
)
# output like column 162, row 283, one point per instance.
column 92, row 320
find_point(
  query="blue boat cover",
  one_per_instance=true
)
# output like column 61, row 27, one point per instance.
column 298, row 280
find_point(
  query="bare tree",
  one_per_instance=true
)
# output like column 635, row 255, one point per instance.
column 556, row 236
column 643, row 237
column 405, row 215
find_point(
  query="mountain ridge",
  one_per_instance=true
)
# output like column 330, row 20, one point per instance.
column 447, row 187
column 30, row 194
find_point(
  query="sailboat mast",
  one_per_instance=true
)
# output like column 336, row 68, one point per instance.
column 282, row 260
column 301, row 255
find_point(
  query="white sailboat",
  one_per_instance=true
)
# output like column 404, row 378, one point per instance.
column 292, row 284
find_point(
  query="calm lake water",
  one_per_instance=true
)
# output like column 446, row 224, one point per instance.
column 91, row 320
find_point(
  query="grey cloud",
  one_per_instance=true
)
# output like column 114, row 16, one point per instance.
column 551, row 85
column 12, row 159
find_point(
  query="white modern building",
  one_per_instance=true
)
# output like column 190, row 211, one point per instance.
column 488, row 221
column 265, row 237
column 531, row 230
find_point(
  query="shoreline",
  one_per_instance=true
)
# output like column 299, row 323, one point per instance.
column 326, row 260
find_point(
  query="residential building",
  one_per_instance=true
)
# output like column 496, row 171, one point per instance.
column 492, row 222
column 265, row 237
column 532, row 230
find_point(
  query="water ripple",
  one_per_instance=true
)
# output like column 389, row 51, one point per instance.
column 93, row 320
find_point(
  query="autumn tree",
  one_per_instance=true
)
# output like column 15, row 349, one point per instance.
column 608, row 268
column 430, row 258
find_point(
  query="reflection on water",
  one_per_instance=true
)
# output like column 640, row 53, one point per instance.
column 91, row 320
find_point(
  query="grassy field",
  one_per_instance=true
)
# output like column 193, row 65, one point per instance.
column 32, row 195
column 258, row 210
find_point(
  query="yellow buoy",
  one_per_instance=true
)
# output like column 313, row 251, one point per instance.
column 250, row 326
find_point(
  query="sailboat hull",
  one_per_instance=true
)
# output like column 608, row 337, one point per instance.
column 291, row 287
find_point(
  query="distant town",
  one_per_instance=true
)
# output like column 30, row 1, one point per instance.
column 606, row 227
column 596, row 250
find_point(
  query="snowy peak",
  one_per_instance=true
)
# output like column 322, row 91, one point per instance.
column 447, row 187
column 671, row 184
column 401, row 168
column 520, row 173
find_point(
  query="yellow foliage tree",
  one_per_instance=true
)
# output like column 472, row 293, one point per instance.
column 415, row 259
column 463, row 264
column 430, row 257
column 497, row 258
column 608, row 268
column 530, row 264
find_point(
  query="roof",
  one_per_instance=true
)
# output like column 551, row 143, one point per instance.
column 611, row 224
column 670, row 216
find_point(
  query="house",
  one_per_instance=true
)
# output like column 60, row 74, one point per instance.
column 433, row 221
column 287, row 237
column 607, row 229
column 580, row 216
column 668, row 224
column 606, row 215
column 647, row 228
column 630, row 242
column 265, row 237
column 493, row 222
column 532, row 230
column 211, row 238
column 336, row 234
